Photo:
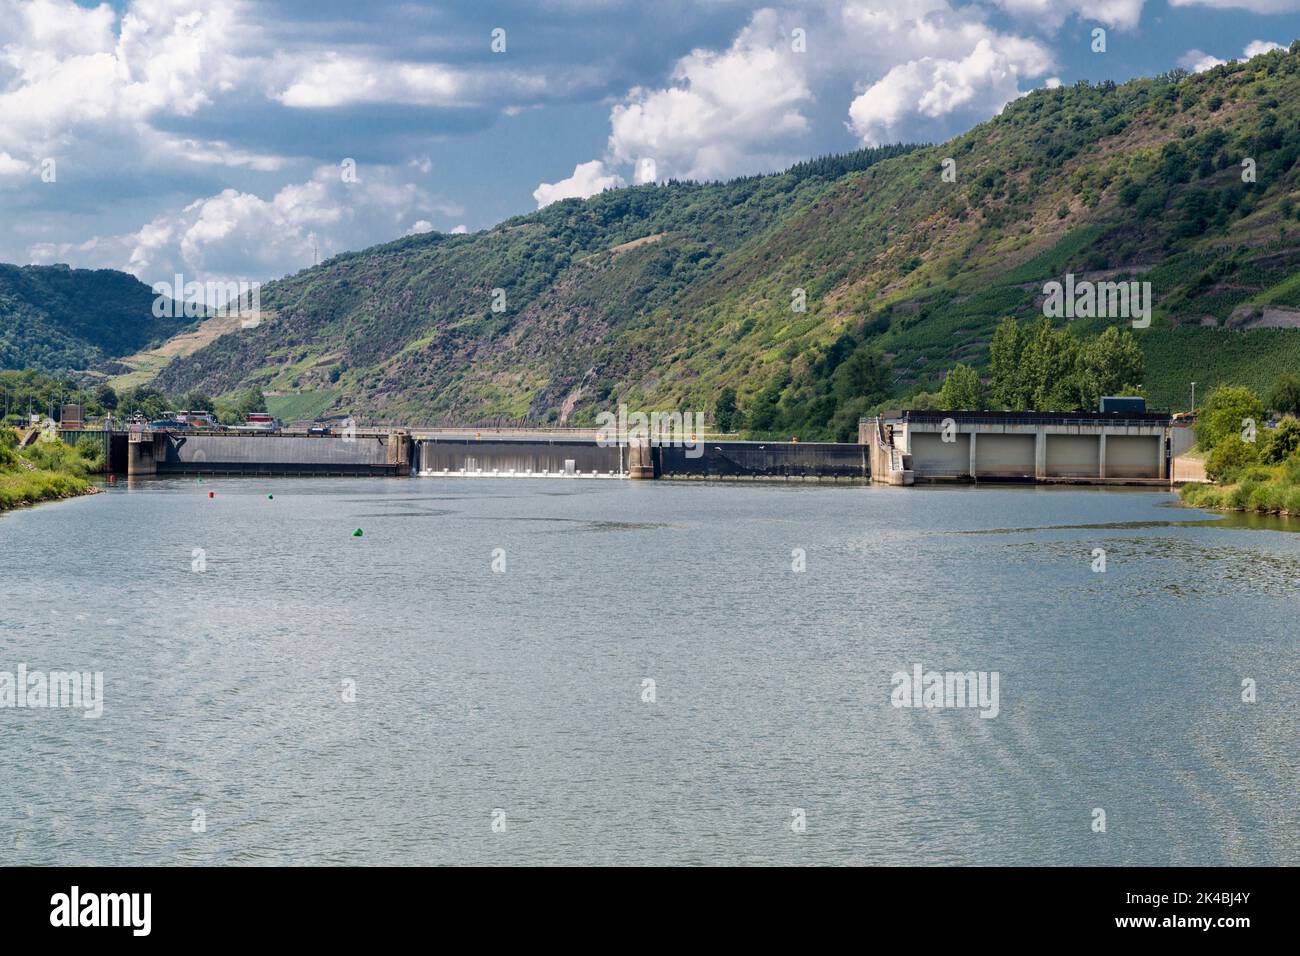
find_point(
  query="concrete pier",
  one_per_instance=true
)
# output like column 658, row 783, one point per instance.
column 143, row 452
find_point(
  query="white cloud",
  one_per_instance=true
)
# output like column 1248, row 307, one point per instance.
column 236, row 235
column 1254, row 6
column 587, row 180
column 338, row 81
column 1122, row 14
column 12, row 167
column 977, row 86
column 723, row 113
column 1255, row 47
column 460, row 230
column 1198, row 61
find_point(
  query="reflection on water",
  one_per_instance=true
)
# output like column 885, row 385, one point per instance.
column 524, row 689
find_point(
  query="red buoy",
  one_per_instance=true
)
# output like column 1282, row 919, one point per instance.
column 211, row 494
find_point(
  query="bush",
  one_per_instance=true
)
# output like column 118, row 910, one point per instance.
column 1241, row 496
column 1230, row 457
column 1267, row 497
column 56, row 456
column 91, row 452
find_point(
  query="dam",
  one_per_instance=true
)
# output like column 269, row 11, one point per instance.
column 901, row 447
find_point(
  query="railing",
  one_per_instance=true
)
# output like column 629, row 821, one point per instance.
column 1145, row 420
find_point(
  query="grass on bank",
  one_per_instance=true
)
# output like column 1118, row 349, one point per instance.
column 1266, row 489
column 43, row 472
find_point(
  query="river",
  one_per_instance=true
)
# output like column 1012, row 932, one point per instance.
column 586, row 671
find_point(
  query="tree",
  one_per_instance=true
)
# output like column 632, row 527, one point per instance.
column 1229, row 410
column 1284, row 397
column 1005, row 350
column 962, row 390
column 1047, row 368
column 251, row 400
column 1109, row 364
column 1280, row 443
column 864, row 374
column 105, row 397
column 196, row 401
column 724, row 409
column 146, row 402
column 1229, row 457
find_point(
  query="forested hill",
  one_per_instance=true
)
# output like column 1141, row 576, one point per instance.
column 679, row 294
column 54, row 319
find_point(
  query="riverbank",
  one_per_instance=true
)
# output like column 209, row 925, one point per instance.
column 44, row 471
column 1260, row 489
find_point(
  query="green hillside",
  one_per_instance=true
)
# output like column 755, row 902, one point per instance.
column 56, row 319
column 675, row 295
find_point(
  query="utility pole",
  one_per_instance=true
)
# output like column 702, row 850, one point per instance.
column 1193, row 398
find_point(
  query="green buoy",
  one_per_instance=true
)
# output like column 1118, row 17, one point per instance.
column 357, row 533
column 270, row 496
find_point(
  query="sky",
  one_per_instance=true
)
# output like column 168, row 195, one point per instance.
column 231, row 140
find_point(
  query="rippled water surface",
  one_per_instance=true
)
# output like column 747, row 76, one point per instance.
column 478, row 691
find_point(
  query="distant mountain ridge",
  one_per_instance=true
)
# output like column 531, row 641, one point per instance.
column 56, row 319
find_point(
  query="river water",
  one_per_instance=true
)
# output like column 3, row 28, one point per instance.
column 584, row 671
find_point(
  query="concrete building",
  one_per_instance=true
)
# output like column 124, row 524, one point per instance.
column 1076, row 447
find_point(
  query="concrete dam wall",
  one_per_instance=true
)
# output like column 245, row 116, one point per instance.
column 763, row 459
column 253, row 454
column 518, row 458
column 462, row 457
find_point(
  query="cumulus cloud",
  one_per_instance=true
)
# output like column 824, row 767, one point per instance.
column 1122, row 14
column 1256, row 47
column 1198, row 61
column 929, row 89
column 723, row 111
column 235, row 235
column 924, row 66
column 587, row 180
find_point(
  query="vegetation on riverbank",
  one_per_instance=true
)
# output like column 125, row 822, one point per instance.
column 43, row 471
column 1254, row 468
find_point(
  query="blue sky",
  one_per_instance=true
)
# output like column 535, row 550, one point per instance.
column 213, row 138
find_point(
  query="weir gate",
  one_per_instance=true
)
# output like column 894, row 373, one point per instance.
column 561, row 458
